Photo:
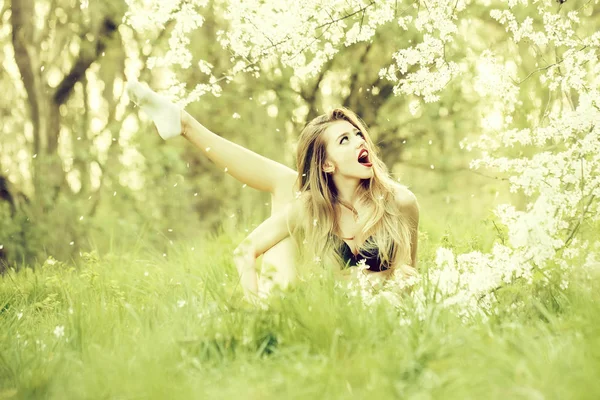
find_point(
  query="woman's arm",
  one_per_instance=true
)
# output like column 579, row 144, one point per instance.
column 266, row 235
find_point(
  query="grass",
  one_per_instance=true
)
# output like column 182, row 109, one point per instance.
column 156, row 323
column 140, row 325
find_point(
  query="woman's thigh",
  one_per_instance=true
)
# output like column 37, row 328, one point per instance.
column 278, row 267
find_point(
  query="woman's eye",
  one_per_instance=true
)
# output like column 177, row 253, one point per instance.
column 361, row 134
column 342, row 141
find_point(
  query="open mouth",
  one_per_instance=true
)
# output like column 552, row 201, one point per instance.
column 363, row 158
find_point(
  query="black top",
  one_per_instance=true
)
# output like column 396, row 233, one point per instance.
column 372, row 260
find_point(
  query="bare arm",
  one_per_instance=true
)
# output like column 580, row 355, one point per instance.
column 266, row 235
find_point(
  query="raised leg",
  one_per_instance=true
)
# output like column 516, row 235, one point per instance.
column 246, row 166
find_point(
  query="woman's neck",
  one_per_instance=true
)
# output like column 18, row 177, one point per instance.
column 347, row 188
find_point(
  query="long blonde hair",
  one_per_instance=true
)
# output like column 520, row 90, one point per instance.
column 319, row 225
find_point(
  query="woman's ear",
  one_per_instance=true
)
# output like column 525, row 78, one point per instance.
column 328, row 168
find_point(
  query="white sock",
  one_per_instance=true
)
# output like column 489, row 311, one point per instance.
column 165, row 115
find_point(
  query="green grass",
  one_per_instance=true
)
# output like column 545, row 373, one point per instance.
column 129, row 334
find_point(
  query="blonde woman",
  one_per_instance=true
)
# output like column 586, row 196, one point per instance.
column 341, row 207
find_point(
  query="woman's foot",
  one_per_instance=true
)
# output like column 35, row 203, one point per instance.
column 165, row 115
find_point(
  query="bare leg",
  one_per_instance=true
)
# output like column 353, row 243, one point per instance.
column 256, row 171
column 246, row 166
column 260, row 173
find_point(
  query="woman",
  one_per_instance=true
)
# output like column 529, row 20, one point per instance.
column 343, row 206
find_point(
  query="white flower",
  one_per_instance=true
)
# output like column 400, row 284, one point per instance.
column 362, row 265
column 181, row 303
column 59, row 331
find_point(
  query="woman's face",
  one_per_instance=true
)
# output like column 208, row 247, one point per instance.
column 347, row 151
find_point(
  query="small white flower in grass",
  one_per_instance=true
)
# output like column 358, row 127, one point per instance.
column 114, row 194
column 19, row 315
column 195, row 194
column 564, row 284
column 226, row 169
column 431, row 166
column 207, row 149
column 59, row 331
column 317, row 259
column 71, row 243
column 180, row 303
column 146, row 273
column 236, row 116
column 71, row 310
column 164, row 254
column 35, row 155
column 315, row 222
column 362, row 264
column 170, row 230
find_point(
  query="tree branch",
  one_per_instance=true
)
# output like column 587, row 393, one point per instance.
column 84, row 61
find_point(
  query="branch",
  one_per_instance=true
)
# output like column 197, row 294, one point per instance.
column 84, row 61
column 546, row 67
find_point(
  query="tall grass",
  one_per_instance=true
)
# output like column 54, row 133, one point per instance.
column 151, row 326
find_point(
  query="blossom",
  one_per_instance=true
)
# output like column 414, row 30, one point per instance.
column 59, row 331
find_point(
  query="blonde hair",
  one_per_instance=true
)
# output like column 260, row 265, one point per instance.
column 386, row 230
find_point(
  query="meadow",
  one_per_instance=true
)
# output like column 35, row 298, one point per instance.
column 137, row 323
